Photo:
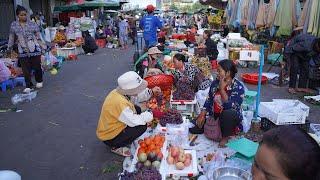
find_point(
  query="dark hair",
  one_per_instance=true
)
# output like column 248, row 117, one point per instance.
column 180, row 57
column 196, row 26
column 85, row 33
column 20, row 9
column 228, row 66
column 121, row 18
column 297, row 152
column 208, row 32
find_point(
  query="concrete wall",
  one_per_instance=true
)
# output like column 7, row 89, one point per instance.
column 7, row 16
column 24, row 3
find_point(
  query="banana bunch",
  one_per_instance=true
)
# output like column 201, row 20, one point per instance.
column 217, row 19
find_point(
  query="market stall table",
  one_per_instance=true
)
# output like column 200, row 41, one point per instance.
column 66, row 51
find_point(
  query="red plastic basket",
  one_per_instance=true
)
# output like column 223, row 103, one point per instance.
column 253, row 78
column 178, row 36
column 163, row 81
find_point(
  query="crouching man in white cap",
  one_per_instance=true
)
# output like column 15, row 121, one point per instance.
column 121, row 122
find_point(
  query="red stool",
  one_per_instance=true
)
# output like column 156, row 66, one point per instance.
column 101, row 43
column 72, row 57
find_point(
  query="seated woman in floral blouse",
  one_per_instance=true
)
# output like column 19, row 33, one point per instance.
column 184, row 69
column 223, row 102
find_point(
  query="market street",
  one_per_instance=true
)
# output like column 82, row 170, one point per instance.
column 54, row 136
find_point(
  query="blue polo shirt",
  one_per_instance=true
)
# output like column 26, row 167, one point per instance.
column 150, row 24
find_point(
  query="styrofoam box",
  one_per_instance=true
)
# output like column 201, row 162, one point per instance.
column 134, row 161
column 185, row 106
column 249, row 55
column 161, row 129
column 315, row 128
column 282, row 111
column 234, row 36
column 190, row 171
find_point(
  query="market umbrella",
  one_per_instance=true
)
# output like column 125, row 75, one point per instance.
column 66, row 8
column 96, row 4
column 86, row 5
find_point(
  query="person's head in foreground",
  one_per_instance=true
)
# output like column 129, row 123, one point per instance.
column 227, row 70
column 287, row 153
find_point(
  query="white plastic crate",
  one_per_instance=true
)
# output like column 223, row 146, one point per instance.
column 315, row 128
column 282, row 111
column 186, row 107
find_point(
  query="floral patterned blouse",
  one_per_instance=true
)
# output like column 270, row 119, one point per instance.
column 235, row 93
column 194, row 75
column 27, row 37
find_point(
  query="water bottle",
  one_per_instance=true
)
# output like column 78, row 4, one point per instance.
column 19, row 98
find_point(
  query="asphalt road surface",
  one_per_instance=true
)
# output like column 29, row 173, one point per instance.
column 54, row 136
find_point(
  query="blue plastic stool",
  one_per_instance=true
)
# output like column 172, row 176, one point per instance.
column 5, row 84
column 19, row 80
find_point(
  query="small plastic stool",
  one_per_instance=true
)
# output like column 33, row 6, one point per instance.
column 101, row 43
column 72, row 57
column 19, row 80
column 5, row 84
column 249, row 101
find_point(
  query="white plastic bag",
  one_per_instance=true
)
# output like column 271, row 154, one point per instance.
column 247, row 119
column 48, row 61
column 202, row 96
column 177, row 134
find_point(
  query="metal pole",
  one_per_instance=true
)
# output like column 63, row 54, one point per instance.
column 259, row 82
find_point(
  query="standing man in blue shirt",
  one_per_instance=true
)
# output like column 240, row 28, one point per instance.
column 150, row 24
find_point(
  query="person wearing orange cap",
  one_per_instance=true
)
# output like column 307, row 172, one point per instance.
column 150, row 24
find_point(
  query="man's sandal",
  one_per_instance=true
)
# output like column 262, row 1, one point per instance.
column 122, row 151
column 292, row 91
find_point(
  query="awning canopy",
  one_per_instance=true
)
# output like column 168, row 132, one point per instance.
column 86, row 5
column 220, row 4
